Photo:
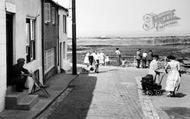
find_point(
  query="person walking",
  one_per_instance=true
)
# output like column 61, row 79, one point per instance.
column 101, row 58
column 86, row 59
column 149, row 57
column 138, row 57
column 144, row 58
column 107, row 60
column 96, row 59
column 91, row 59
column 153, row 66
column 118, row 55
column 173, row 78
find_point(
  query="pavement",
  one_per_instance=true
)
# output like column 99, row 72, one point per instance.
column 56, row 86
column 126, row 102
column 177, row 107
column 109, row 94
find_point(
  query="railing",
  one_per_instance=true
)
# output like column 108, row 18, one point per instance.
column 129, row 60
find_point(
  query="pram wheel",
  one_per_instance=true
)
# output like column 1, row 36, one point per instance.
column 158, row 92
column 149, row 92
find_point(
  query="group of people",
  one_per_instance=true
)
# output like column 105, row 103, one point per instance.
column 172, row 69
column 95, row 59
column 144, row 58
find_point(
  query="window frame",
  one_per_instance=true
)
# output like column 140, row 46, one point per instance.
column 31, row 39
column 64, row 24
column 53, row 15
column 47, row 12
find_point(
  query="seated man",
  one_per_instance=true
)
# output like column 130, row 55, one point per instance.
column 19, row 75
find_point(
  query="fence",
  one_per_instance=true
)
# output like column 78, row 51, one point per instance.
column 130, row 60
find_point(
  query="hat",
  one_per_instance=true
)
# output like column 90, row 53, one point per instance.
column 156, row 56
column 20, row 60
column 171, row 57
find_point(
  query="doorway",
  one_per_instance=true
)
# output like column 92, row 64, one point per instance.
column 60, row 58
column 9, row 45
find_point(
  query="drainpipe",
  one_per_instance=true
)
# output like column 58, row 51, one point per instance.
column 42, row 23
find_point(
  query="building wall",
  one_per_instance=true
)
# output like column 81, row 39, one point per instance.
column 50, row 29
column 51, row 36
column 62, row 38
column 28, row 9
column 2, row 54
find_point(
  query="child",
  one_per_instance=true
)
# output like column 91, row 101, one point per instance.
column 123, row 62
column 107, row 60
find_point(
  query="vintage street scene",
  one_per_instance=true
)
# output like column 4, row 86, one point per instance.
column 100, row 59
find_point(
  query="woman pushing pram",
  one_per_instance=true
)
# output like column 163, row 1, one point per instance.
column 150, row 83
column 172, row 69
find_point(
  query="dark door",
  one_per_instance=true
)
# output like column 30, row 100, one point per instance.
column 9, row 38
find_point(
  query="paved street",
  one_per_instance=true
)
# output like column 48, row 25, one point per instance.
column 114, row 93
column 177, row 107
column 110, row 94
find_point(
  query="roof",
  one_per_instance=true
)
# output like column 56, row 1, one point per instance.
column 57, row 4
column 61, row 7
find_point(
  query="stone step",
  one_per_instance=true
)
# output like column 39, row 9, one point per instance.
column 27, row 102
column 19, row 100
column 12, row 98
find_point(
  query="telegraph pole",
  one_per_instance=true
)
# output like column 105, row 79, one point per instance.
column 74, row 57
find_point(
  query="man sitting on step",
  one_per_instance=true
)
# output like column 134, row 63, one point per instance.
column 19, row 75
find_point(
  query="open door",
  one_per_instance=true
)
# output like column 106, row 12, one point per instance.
column 9, row 48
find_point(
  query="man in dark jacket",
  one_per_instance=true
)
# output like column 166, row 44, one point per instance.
column 19, row 75
column 149, row 57
column 138, row 57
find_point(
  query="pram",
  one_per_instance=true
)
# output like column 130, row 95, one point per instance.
column 149, row 86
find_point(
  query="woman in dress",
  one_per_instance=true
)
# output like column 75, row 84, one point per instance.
column 86, row 59
column 101, row 58
column 173, row 79
column 107, row 60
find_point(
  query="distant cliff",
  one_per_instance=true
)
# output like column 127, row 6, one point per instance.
column 172, row 40
column 161, row 40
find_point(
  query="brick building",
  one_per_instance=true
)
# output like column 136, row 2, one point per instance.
column 54, row 37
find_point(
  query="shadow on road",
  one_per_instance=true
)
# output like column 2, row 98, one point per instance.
column 179, row 95
column 77, row 103
column 178, row 112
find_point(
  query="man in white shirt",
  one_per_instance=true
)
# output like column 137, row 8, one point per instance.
column 153, row 66
column 144, row 58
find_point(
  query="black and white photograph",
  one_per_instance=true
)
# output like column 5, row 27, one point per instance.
column 94, row 59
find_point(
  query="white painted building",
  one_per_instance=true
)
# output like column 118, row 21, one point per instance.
column 20, row 32
column 63, row 13
column 3, row 76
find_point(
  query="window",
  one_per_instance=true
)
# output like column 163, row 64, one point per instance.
column 47, row 13
column 64, row 24
column 53, row 15
column 30, row 40
column 49, row 56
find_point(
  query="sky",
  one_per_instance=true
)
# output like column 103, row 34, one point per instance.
column 125, row 17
